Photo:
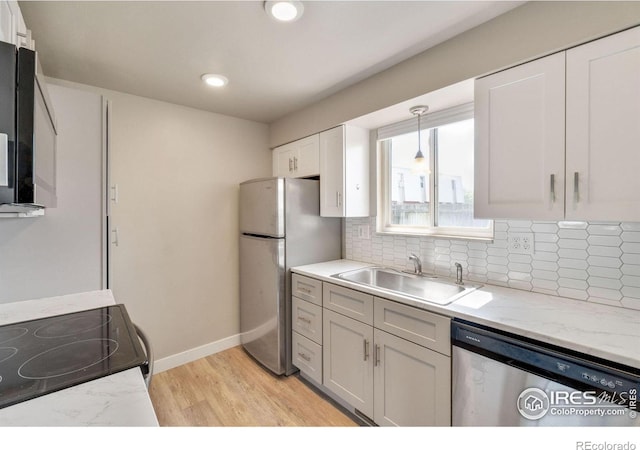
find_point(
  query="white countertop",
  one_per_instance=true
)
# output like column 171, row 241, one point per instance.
column 120, row 399
column 599, row 330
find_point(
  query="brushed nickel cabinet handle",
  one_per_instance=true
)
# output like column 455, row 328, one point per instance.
column 576, row 187
column 304, row 319
column 377, row 362
column 305, row 357
column 290, row 165
column 553, row 188
column 295, row 163
column 366, row 349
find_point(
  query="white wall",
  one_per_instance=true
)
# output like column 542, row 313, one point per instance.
column 534, row 29
column 178, row 171
column 61, row 252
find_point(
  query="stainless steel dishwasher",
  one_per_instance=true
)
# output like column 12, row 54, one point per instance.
column 500, row 379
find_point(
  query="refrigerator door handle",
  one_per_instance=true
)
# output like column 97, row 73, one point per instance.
column 4, row 159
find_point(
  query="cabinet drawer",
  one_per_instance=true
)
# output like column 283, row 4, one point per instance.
column 306, row 288
column 354, row 304
column 418, row 326
column 307, row 356
column 306, row 319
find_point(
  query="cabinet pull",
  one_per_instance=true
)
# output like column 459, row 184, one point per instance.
column 553, row 188
column 305, row 290
column 339, row 199
column 366, row 349
column 377, row 361
column 295, row 163
column 305, row 357
column 304, row 319
column 336, row 199
column 290, row 165
column 114, row 234
column 576, row 187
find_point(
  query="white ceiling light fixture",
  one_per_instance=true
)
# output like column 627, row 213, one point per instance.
column 284, row 11
column 215, row 80
column 420, row 164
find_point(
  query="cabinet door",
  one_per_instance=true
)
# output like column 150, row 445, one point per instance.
column 346, row 357
column 306, row 162
column 7, row 23
column 412, row 383
column 283, row 160
column 603, row 129
column 332, row 172
column 519, row 154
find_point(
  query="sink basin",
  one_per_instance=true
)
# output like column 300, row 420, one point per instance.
column 419, row 287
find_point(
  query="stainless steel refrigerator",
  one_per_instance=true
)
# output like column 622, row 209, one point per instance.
column 280, row 228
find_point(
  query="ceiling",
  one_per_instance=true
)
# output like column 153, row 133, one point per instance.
column 159, row 49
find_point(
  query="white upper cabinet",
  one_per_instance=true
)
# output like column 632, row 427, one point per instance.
column 298, row 159
column 12, row 26
column 519, row 119
column 344, row 172
column 537, row 159
column 603, row 129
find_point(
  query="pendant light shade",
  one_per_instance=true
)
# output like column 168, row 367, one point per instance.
column 420, row 164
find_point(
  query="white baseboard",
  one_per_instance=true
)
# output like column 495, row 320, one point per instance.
column 160, row 365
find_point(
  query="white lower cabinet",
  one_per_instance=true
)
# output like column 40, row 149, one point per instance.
column 397, row 378
column 412, row 384
column 307, row 356
column 347, row 367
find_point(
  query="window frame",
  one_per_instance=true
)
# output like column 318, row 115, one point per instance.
column 430, row 122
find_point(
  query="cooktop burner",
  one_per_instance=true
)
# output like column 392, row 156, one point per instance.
column 45, row 355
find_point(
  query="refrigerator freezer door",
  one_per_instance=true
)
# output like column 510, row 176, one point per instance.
column 263, row 300
column 262, row 207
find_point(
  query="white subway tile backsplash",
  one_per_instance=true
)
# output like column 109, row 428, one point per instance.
column 597, row 262
column 571, row 263
column 545, row 265
column 545, row 256
column 578, row 294
column 630, row 269
column 606, row 272
column 573, row 273
column 598, row 250
column 608, row 283
column 608, row 294
column 544, row 228
column 603, row 261
column 573, row 284
column 573, row 234
column 606, row 230
column 631, row 236
column 630, row 247
column 630, row 226
column 518, row 258
column 572, row 253
column 611, row 241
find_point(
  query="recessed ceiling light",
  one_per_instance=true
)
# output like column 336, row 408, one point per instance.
column 215, row 80
column 284, row 11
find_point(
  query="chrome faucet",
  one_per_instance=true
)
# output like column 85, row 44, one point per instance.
column 417, row 264
column 459, row 274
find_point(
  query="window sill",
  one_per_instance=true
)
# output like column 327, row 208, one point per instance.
column 444, row 235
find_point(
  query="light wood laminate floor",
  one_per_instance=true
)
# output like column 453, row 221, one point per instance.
column 231, row 389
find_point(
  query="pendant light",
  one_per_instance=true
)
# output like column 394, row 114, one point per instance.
column 420, row 164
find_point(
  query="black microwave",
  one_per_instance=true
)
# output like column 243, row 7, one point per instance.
column 27, row 134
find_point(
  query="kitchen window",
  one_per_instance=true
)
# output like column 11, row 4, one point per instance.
column 435, row 198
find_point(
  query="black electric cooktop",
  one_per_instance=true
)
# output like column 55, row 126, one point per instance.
column 41, row 356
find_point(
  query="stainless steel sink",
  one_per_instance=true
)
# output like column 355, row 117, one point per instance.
column 419, row 287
